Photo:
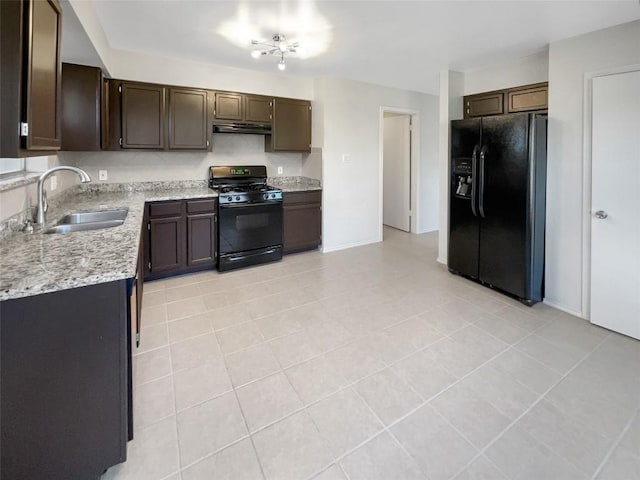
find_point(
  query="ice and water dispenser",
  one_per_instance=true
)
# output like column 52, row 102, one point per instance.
column 462, row 177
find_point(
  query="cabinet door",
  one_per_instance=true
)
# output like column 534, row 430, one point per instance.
column 81, row 107
column 302, row 227
column 201, row 239
column 491, row 103
column 291, row 126
column 257, row 109
column 188, row 119
column 527, row 99
column 228, row 107
column 143, row 116
column 43, row 75
column 166, row 244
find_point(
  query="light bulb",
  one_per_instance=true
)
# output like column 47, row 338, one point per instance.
column 256, row 53
column 281, row 65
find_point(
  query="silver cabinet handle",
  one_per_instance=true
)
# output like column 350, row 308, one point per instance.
column 601, row 214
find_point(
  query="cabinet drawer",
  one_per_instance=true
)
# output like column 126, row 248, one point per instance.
column 293, row 198
column 201, row 206
column 165, row 209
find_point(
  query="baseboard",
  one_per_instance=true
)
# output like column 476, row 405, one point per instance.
column 564, row 309
column 348, row 245
column 441, row 260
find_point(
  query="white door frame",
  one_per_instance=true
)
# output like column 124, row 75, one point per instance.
column 587, row 179
column 415, row 166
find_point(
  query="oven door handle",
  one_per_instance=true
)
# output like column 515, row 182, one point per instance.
column 247, row 204
column 237, row 258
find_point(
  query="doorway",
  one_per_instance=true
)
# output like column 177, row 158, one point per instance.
column 396, row 170
column 614, row 220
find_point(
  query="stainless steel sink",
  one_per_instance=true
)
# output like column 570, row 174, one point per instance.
column 82, row 221
column 95, row 216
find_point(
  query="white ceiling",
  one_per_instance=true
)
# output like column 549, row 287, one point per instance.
column 402, row 44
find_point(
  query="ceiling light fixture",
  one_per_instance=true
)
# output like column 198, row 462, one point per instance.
column 279, row 48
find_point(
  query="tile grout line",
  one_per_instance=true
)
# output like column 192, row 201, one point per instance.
column 531, row 407
column 615, row 445
column 244, row 418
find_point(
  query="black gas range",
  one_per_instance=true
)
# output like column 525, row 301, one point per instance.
column 249, row 216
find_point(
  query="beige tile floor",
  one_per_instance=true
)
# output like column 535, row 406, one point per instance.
column 374, row 363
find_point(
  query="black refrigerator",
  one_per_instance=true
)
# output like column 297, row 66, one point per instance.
column 497, row 202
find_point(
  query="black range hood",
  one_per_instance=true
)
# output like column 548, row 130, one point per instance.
column 256, row 128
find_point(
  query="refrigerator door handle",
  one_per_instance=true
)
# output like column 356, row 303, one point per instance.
column 474, row 176
column 483, row 153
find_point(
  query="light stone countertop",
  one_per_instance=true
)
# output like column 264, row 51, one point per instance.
column 37, row 263
column 295, row 184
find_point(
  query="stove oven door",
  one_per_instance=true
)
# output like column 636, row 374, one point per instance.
column 249, row 226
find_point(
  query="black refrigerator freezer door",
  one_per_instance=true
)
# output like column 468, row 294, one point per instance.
column 503, row 194
column 463, row 222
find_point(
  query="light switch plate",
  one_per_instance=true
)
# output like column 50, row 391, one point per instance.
column 346, row 158
column 102, row 175
column 53, row 183
column 280, row 170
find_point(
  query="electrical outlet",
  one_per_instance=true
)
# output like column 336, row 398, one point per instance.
column 280, row 170
column 102, row 175
column 346, row 158
column 53, row 183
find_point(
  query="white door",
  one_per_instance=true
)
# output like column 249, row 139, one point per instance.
column 615, row 203
column 396, row 162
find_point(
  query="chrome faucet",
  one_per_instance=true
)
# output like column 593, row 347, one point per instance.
column 41, row 216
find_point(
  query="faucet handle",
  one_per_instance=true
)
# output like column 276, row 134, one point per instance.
column 28, row 226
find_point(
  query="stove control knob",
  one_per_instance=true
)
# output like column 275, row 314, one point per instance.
column 229, row 199
column 237, row 199
column 266, row 196
column 273, row 195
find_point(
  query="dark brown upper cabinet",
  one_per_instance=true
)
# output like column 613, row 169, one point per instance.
column 157, row 117
column 30, row 85
column 257, row 109
column 525, row 98
column 83, row 115
column 229, row 106
column 528, row 98
column 188, row 125
column 483, row 104
column 290, row 126
column 238, row 107
column 143, row 116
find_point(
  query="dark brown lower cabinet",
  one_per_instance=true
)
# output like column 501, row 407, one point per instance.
column 201, row 239
column 302, row 220
column 64, row 371
column 167, row 243
column 181, row 237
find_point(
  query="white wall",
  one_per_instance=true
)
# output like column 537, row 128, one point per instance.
column 350, row 117
column 227, row 149
column 17, row 200
column 451, row 91
column 175, row 71
column 569, row 60
column 530, row 69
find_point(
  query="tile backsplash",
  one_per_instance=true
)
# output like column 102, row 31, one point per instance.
column 228, row 149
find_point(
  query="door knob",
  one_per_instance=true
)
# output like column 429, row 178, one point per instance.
column 601, row 214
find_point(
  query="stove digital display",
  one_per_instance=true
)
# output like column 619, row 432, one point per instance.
column 240, row 171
